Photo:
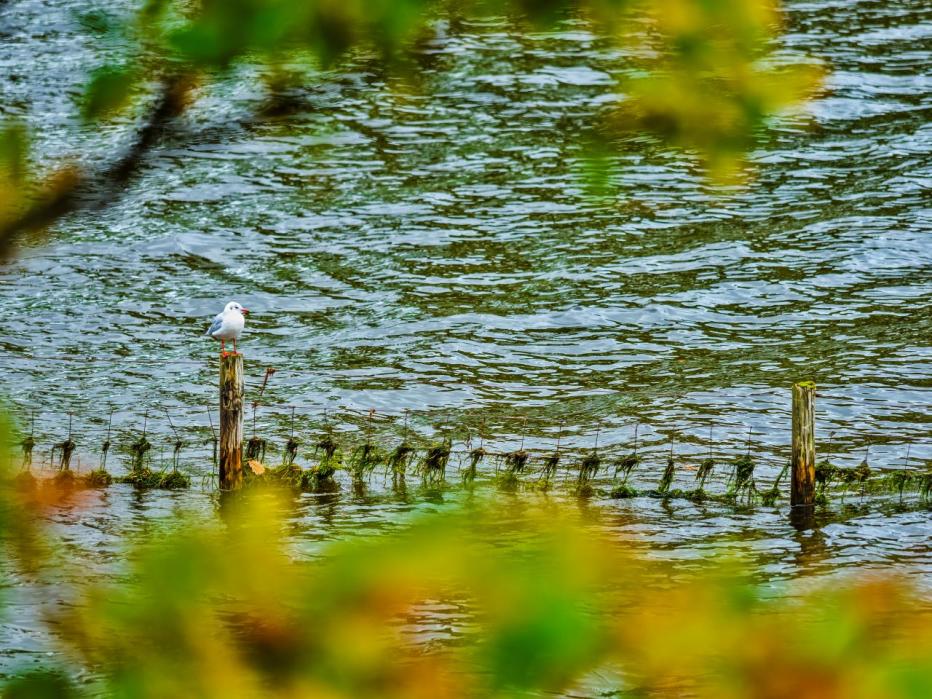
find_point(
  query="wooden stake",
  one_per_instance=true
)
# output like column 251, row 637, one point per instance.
column 802, row 487
column 231, row 421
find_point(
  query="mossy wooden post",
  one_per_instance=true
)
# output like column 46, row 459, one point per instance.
column 802, row 487
column 231, row 421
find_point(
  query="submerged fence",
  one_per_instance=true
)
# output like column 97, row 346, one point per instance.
column 379, row 445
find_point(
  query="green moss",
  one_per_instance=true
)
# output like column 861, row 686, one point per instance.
column 142, row 479
column 174, row 480
column 65, row 480
column 624, row 491
column 289, row 474
column 318, row 479
column 97, row 479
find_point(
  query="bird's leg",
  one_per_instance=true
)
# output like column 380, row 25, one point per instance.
column 223, row 347
column 234, row 345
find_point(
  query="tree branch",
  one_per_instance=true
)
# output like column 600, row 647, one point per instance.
column 70, row 190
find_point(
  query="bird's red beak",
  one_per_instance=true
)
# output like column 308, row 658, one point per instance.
column 244, row 311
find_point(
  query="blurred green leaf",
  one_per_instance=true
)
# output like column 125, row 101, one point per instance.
column 40, row 684
column 108, row 92
column 14, row 151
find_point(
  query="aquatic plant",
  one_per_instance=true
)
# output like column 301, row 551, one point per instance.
column 861, row 472
column 475, row 458
column 824, row 474
column 625, row 465
column 400, row 459
column 899, row 481
column 327, row 445
column 291, row 451
column 433, row 465
column 589, row 467
column 550, row 465
column 925, row 485
column 769, row 497
column 28, row 444
column 138, row 451
column 516, row 461
column 65, row 450
column 507, row 480
column 704, row 471
column 741, row 481
column 255, row 449
column 666, row 480
column 364, row 460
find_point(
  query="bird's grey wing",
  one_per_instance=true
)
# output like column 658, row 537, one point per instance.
column 216, row 325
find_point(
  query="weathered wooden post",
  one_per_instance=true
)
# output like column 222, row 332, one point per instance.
column 802, row 487
column 231, row 421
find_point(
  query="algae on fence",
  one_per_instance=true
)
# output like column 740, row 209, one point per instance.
column 433, row 465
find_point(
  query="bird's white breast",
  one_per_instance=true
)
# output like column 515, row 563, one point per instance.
column 232, row 326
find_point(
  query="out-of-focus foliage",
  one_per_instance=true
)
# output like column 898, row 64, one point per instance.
column 709, row 84
column 14, row 171
column 521, row 600
column 706, row 77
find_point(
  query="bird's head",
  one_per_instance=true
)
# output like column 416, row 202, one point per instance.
column 234, row 306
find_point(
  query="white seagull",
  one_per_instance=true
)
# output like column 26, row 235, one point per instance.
column 228, row 325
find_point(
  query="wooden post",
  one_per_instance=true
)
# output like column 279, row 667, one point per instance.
column 802, row 488
column 231, row 421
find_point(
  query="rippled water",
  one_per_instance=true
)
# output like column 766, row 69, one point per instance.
column 437, row 253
